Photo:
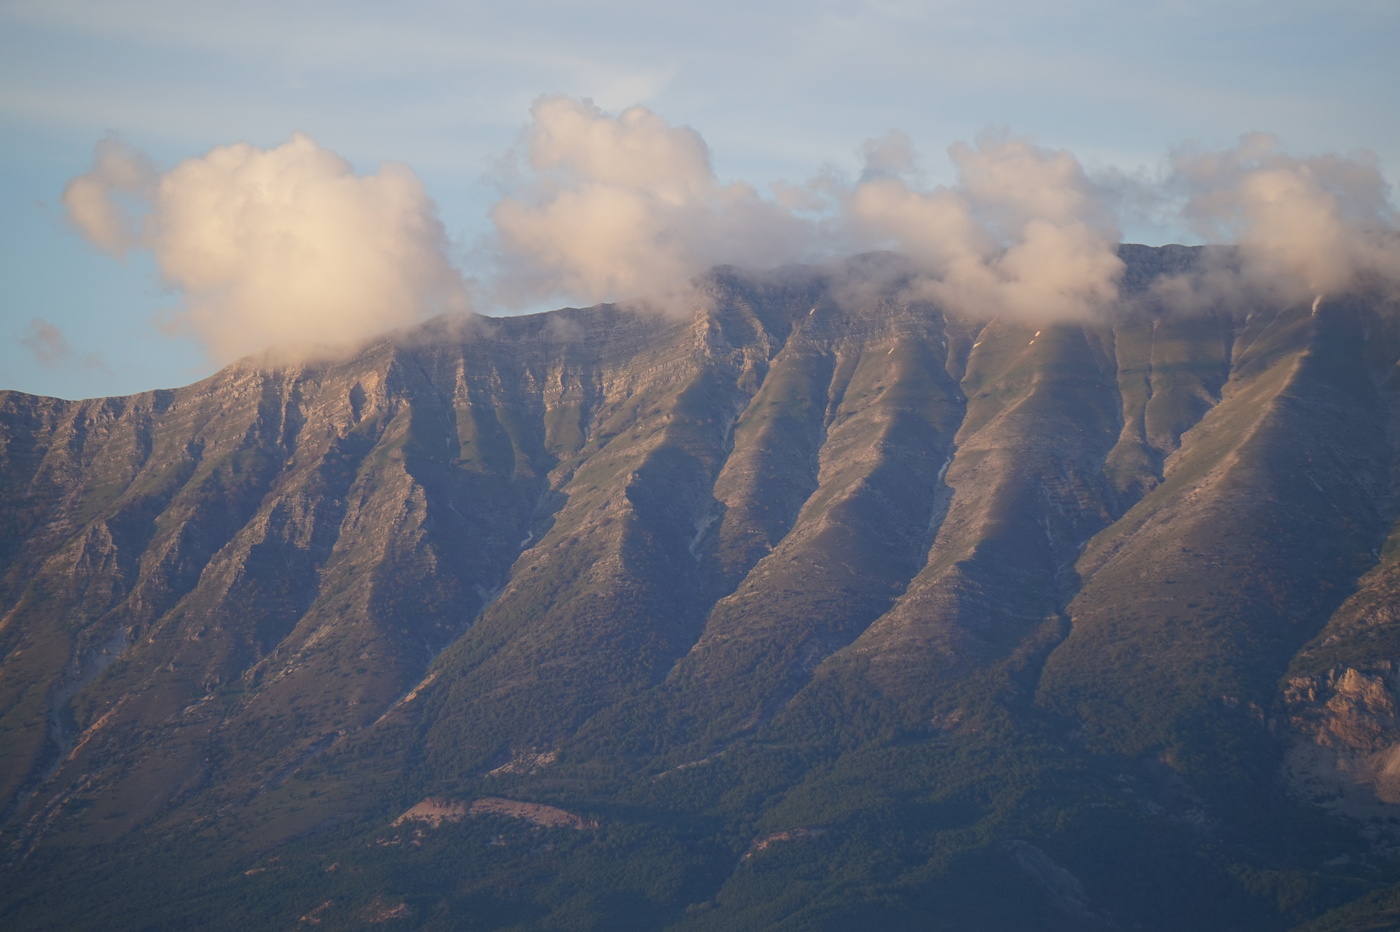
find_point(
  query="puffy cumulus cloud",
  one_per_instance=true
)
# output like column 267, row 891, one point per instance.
column 1303, row 226
column 283, row 247
column 1023, row 232
column 627, row 207
column 289, row 246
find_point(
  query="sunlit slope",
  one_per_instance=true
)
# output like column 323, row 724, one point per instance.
column 249, row 555
column 1192, row 604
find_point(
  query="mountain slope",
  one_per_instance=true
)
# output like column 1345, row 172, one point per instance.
column 805, row 610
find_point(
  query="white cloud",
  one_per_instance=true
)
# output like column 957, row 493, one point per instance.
column 1304, row 226
column 1022, row 233
column 275, row 247
column 625, row 207
column 105, row 203
column 272, row 247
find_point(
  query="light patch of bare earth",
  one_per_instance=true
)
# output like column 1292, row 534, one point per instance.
column 435, row 810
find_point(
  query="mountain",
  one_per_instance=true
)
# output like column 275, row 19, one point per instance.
column 821, row 608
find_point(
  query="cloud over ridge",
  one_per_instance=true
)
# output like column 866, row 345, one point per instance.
column 627, row 207
column 288, row 245
column 1304, row 226
column 1022, row 233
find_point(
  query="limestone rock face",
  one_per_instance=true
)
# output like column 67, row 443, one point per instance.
column 797, row 565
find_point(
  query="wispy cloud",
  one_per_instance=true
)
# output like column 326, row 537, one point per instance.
column 46, row 342
column 52, row 349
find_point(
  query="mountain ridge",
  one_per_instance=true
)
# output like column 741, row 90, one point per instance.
column 814, row 561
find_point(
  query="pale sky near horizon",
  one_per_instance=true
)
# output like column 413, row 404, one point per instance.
column 780, row 91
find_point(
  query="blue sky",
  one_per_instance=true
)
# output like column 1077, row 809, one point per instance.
column 778, row 90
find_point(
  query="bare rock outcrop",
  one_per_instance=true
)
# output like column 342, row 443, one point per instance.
column 1346, row 754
